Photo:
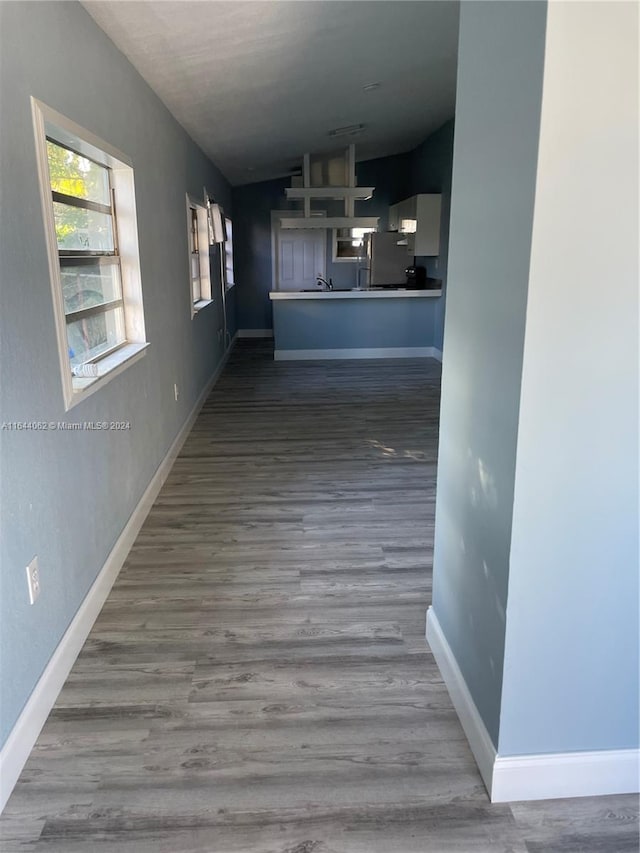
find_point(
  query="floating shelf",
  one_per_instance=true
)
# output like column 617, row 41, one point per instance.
column 339, row 174
column 339, row 193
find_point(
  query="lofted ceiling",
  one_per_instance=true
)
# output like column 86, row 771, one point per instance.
column 256, row 83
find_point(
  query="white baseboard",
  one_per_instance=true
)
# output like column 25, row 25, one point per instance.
column 437, row 353
column 24, row 734
column 347, row 353
column 479, row 739
column 565, row 774
column 255, row 333
column 509, row 778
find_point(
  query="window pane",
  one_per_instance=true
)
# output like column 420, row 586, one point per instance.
column 347, row 250
column 194, row 230
column 83, row 230
column 228, row 251
column 91, row 336
column 358, row 233
column 89, row 284
column 343, row 233
column 72, row 174
column 196, row 290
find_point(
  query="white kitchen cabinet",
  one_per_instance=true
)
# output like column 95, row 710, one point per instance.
column 417, row 219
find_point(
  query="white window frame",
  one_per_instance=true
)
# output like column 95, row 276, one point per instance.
column 229, row 275
column 49, row 122
column 204, row 260
column 334, row 248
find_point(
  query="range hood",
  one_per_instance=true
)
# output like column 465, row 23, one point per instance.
column 330, row 177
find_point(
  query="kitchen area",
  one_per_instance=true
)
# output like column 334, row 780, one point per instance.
column 387, row 311
column 346, row 259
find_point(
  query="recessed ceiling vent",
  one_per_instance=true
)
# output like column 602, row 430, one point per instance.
column 349, row 130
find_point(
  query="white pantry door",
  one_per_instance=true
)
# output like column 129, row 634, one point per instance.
column 301, row 257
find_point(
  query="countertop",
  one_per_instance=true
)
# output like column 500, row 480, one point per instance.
column 386, row 293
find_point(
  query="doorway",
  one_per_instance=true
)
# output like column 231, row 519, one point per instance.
column 300, row 258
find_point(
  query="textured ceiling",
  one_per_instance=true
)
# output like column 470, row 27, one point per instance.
column 257, row 84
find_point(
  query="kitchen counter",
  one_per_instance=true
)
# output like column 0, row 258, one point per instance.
column 347, row 324
column 368, row 293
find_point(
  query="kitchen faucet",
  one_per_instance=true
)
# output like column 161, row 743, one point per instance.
column 322, row 281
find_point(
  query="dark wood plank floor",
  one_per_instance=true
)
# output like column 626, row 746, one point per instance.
column 258, row 680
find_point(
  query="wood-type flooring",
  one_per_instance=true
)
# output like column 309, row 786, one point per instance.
column 258, row 680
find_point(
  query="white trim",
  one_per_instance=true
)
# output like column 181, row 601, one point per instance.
column 351, row 164
column 509, row 778
column 479, row 739
column 45, row 120
column 25, row 732
column 358, row 259
column 255, row 333
column 80, row 138
column 356, row 293
column 351, row 353
column 39, row 114
column 109, row 367
column 306, row 179
column 565, row 774
column 197, row 307
column 276, row 216
column 204, row 256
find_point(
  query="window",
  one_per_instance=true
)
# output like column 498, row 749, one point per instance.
column 196, row 285
column 408, row 226
column 89, row 213
column 348, row 243
column 228, row 254
column 199, row 262
column 86, row 235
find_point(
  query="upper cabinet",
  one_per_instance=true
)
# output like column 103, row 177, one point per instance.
column 418, row 220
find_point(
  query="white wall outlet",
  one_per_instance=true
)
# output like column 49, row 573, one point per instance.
column 33, row 580
column 176, row 393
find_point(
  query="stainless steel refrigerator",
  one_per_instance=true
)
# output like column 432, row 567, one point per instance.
column 385, row 260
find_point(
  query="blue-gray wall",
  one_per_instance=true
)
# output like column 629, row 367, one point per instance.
column 67, row 496
column 326, row 323
column 252, row 206
column 431, row 171
column 500, row 66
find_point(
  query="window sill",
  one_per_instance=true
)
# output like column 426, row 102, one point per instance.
column 199, row 306
column 108, row 368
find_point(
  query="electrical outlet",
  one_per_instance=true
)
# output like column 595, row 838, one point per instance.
column 175, row 391
column 33, row 580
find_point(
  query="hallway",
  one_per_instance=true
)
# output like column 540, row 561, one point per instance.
column 258, row 680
